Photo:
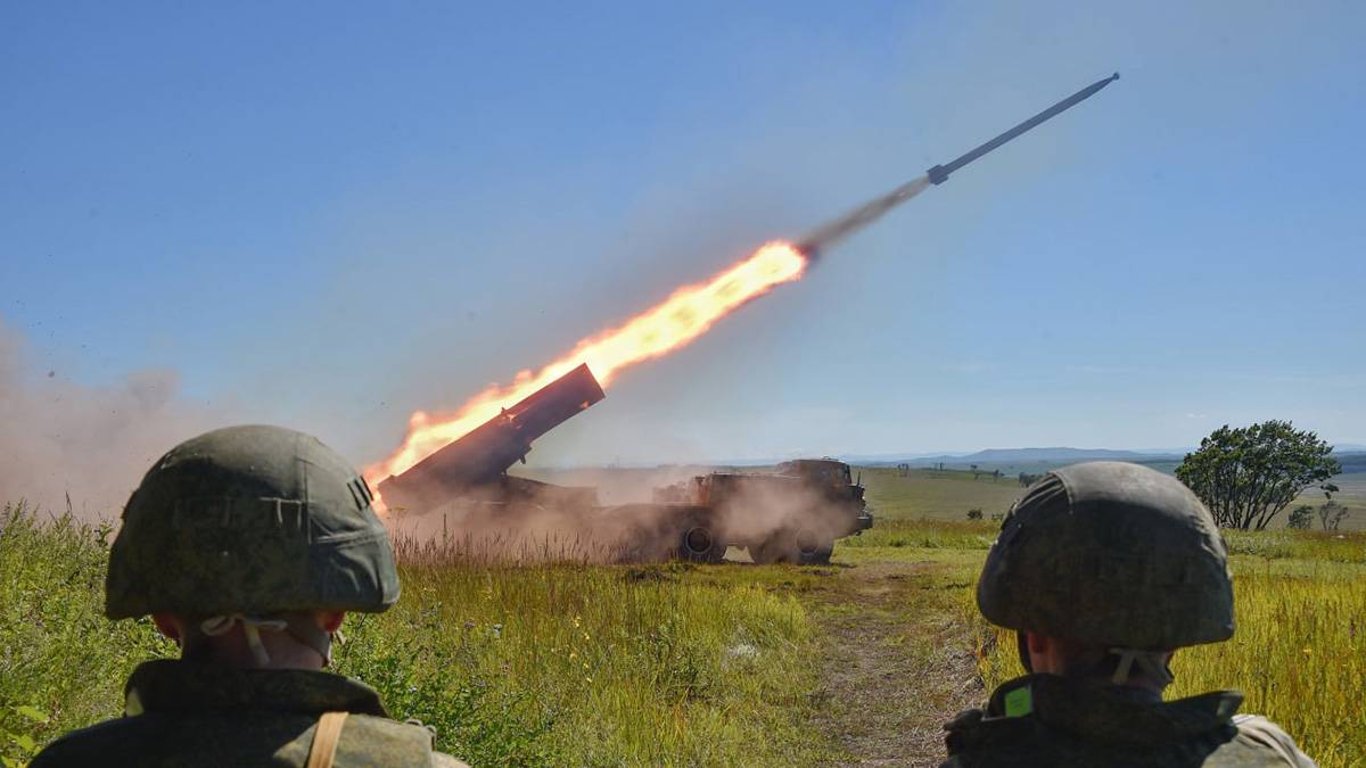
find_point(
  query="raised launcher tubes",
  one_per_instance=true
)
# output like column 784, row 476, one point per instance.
column 482, row 457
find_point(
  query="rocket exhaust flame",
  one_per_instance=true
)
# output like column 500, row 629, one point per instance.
column 669, row 325
column 688, row 313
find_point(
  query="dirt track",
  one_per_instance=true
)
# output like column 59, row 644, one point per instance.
column 896, row 662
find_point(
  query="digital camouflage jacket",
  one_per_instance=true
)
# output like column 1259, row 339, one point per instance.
column 189, row 714
column 1046, row 720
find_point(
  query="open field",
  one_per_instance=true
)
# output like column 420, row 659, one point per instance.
column 552, row 665
column 927, row 494
column 1299, row 651
column 920, row 494
column 854, row 664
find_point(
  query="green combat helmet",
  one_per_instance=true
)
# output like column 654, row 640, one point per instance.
column 1110, row 554
column 251, row 521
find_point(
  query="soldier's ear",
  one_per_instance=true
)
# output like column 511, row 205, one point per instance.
column 170, row 626
column 331, row 621
column 1038, row 644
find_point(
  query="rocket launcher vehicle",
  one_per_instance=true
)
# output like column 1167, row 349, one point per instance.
column 482, row 457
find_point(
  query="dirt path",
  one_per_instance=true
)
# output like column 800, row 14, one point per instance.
column 896, row 661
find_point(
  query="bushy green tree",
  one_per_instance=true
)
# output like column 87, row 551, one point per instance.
column 1248, row 475
column 1301, row 517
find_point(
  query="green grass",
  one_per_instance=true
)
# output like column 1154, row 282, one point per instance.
column 592, row 665
column 1299, row 651
column 550, row 665
column 927, row 494
column 573, row 664
column 62, row 665
column 934, row 495
column 923, row 534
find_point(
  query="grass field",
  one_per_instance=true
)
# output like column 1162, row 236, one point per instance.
column 1299, row 651
column 927, row 494
column 856, row 663
column 553, row 665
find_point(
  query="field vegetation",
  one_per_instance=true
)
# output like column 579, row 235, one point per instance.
column 563, row 663
column 1299, row 653
column 558, row 664
column 950, row 494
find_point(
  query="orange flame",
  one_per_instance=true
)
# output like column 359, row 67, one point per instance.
column 671, row 324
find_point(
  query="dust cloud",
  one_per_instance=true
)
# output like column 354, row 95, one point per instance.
column 619, row 515
column 67, row 446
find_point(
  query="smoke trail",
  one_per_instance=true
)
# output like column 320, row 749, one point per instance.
column 835, row 231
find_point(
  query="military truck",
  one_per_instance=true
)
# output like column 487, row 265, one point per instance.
column 792, row 514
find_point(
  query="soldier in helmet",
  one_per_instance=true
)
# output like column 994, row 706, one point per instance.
column 247, row 546
column 1104, row 570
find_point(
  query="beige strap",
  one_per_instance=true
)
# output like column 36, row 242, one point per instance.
column 325, row 739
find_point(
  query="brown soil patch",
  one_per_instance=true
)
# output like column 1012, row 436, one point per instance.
column 896, row 662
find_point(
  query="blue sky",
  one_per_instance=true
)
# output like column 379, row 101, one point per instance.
column 328, row 215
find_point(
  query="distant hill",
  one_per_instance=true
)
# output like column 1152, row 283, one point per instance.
column 1024, row 457
column 1351, row 461
column 1035, row 459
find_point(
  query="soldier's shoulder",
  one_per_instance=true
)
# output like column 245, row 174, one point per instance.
column 92, row 745
column 443, row 760
column 392, row 742
column 1261, row 732
column 378, row 731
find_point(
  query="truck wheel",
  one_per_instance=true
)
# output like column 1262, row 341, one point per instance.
column 700, row 545
column 766, row 553
column 812, row 548
column 818, row 556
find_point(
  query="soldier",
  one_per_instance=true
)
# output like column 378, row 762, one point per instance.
column 247, row 546
column 1104, row 569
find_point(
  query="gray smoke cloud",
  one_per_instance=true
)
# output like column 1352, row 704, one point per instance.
column 619, row 515
column 62, row 441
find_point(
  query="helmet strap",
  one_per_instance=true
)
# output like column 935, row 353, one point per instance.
column 302, row 627
column 1150, row 662
column 215, row 626
column 1022, row 645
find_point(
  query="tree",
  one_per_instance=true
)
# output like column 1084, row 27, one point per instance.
column 1247, row 476
column 1301, row 517
column 1331, row 515
column 975, row 513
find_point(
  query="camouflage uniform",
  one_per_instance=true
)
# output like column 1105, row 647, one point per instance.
column 1118, row 557
column 1047, row 720
column 259, row 529
column 186, row 713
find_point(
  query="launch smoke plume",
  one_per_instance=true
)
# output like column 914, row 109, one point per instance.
column 832, row 233
column 61, row 441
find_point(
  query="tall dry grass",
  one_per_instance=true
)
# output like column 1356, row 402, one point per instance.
column 1299, row 652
